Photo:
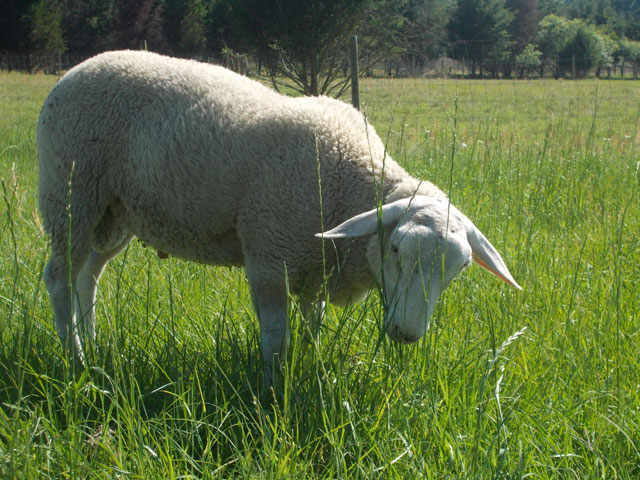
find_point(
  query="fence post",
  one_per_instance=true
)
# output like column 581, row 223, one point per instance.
column 355, row 89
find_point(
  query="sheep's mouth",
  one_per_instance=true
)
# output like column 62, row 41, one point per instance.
column 397, row 335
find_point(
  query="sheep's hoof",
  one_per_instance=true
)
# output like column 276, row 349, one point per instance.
column 162, row 255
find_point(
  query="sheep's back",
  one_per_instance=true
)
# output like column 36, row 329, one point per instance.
column 194, row 148
column 159, row 134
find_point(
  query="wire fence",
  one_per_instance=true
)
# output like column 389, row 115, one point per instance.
column 427, row 105
column 407, row 66
column 606, row 112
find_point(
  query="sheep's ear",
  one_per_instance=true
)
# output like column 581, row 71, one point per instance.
column 485, row 255
column 369, row 222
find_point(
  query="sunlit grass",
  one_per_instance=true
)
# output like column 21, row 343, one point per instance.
column 543, row 383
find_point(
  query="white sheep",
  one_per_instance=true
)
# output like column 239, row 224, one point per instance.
column 207, row 165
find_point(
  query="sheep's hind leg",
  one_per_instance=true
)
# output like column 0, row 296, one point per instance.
column 58, row 282
column 86, row 286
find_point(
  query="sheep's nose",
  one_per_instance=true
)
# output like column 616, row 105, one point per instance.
column 396, row 334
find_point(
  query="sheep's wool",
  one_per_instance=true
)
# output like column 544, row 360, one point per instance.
column 208, row 165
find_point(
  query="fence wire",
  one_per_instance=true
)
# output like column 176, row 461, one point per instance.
column 607, row 108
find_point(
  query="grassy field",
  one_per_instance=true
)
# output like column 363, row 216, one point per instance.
column 543, row 383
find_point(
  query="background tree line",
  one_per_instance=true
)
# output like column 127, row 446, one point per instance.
column 306, row 41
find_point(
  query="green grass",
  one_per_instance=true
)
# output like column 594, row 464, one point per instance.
column 543, row 383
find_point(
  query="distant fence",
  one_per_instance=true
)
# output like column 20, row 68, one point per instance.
column 40, row 63
column 403, row 67
column 447, row 67
column 422, row 110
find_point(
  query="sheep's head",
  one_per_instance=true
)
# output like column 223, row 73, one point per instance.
column 426, row 242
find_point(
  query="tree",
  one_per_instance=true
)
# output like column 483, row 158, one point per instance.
column 87, row 24
column 136, row 22
column 628, row 13
column 184, row 25
column 15, row 25
column 424, row 30
column 479, row 29
column 554, row 33
column 192, row 29
column 305, row 42
column 379, row 33
column 629, row 51
column 46, row 27
column 528, row 60
column 523, row 29
column 552, row 7
column 581, row 53
column 220, row 26
column 607, row 47
column 597, row 12
column 295, row 39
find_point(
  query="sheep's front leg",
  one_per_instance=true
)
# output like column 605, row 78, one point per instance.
column 271, row 307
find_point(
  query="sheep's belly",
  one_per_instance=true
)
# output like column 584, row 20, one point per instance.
column 222, row 249
column 216, row 243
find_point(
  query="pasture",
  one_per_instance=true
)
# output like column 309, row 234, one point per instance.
column 543, row 383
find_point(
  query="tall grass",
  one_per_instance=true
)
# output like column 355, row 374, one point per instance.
column 542, row 383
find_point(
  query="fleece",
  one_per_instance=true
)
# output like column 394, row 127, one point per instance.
column 207, row 165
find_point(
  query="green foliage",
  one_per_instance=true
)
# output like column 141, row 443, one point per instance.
column 380, row 32
column 46, row 27
column 581, row 53
column 553, row 35
column 424, row 30
column 629, row 50
column 15, row 25
column 525, row 22
column 552, row 7
column 185, row 25
column 597, row 12
column 482, row 28
column 305, row 42
column 192, row 28
column 136, row 23
column 628, row 23
column 298, row 39
column 607, row 47
column 529, row 60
